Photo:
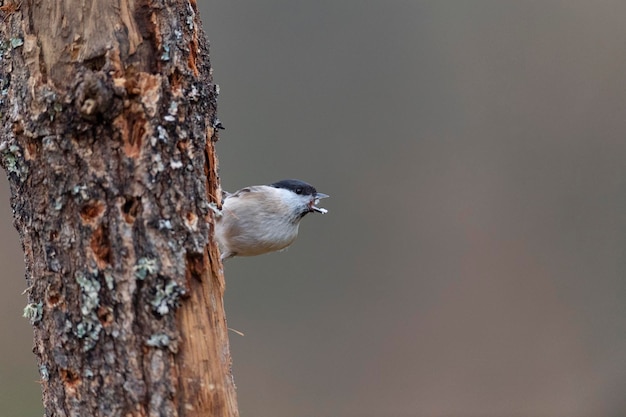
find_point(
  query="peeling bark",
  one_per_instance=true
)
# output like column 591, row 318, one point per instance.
column 107, row 138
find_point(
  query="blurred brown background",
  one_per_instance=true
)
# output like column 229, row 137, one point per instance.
column 473, row 260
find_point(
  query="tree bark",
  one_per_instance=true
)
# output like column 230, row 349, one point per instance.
column 107, row 137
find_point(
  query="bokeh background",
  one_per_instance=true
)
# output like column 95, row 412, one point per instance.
column 473, row 259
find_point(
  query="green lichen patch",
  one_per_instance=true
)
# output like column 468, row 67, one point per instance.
column 158, row 340
column 16, row 42
column 145, row 267
column 13, row 160
column 89, row 326
column 166, row 297
column 33, row 312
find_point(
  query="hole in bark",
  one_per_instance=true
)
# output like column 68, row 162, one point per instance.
column 18, row 127
column 191, row 220
column 105, row 315
column 175, row 81
column 95, row 64
column 195, row 266
column 90, row 211
column 130, row 208
column 133, row 136
column 100, row 246
column 53, row 298
column 54, row 235
column 31, row 147
column 191, row 59
column 183, row 146
column 70, row 378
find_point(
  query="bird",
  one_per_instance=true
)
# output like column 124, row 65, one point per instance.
column 264, row 218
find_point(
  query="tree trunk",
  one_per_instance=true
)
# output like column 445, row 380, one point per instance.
column 107, row 137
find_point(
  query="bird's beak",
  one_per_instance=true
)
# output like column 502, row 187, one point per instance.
column 316, row 200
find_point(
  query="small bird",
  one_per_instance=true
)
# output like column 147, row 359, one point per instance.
column 264, row 218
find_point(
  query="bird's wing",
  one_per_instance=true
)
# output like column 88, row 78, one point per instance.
column 245, row 191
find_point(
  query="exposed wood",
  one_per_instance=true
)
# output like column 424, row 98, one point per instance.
column 107, row 114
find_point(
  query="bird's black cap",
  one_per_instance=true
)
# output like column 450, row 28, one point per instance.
column 297, row 186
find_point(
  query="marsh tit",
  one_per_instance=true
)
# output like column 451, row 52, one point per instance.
column 264, row 218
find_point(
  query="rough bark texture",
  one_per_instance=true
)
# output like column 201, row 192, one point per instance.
column 107, row 137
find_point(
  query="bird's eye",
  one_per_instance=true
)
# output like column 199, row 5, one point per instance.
column 298, row 190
